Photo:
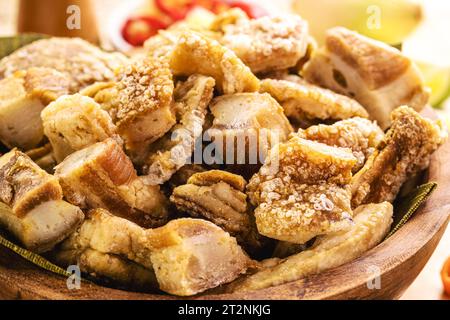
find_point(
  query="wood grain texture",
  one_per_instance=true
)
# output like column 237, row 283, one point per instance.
column 400, row 259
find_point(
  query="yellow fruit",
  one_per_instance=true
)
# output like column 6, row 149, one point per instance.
column 427, row 47
column 390, row 21
column 438, row 80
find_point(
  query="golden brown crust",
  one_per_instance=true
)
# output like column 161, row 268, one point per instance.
column 308, row 101
column 246, row 126
column 23, row 185
column 212, row 177
column 110, row 247
column 143, row 87
column 190, row 256
column 23, row 96
column 228, row 17
column 404, row 152
column 376, row 75
column 360, row 135
column 74, row 122
column 102, row 176
column 46, row 84
column 302, row 191
column 144, row 97
column 82, row 62
column 377, row 64
column 197, row 54
column 171, row 152
column 219, row 196
column 372, row 223
column 268, row 43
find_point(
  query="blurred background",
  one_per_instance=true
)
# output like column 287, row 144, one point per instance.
column 420, row 28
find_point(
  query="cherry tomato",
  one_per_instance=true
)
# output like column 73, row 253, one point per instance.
column 138, row 29
column 445, row 275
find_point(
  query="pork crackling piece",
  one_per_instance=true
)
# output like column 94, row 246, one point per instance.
column 302, row 191
column 31, row 204
column 195, row 53
column 247, row 125
column 102, row 176
column 143, row 112
column 265, row 44
column 23, row 95
column 43, row 157
column 372, row 223
column 74, row 122
column 404, row 152
column 82, row 62
column 360, row 135
column 171, row 152
column 190, row 256
column 219, row 196
column 378, row 76
column 304, row 102
column 106, row 94
column 111, row 248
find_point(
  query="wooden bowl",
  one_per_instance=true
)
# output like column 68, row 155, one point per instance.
column 399, row 259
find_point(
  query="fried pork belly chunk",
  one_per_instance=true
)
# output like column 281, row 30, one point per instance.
column 172, row 152
column 360, row 135
column 405, row 151
column 105, row 94
column 74, row 122
column 190, row 256
column 302, row 191
column 162, row 44
column 102, row 176
column 376, row 75
column 247, row 121
column 195, row 53
column 43, row 157
column 268, row 43
column 31, row 206
column 110, row 247
column 23, row 95
column 226, row 18
column 372, row 223
column 143, row 113
column 182, row 176
column 82, row 62
column 303, row 102
column 219, row 196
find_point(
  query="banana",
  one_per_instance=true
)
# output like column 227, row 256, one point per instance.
column 389, row 21
column 437, row 78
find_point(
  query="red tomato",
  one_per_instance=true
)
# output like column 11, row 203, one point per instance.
column 138, row 29
column 176, row 9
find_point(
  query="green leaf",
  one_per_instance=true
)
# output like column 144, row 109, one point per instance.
column 33, row 258
column 409, row 204
column 10, row 44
